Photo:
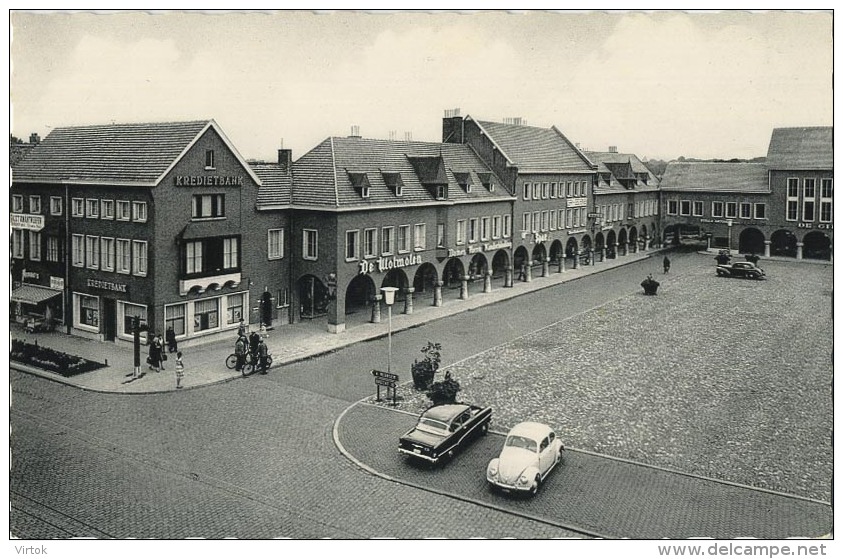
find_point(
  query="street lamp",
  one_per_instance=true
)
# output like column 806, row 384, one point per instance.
column 389, row 299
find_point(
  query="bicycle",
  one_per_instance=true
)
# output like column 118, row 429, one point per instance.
column 231, row 360
column 251, row 365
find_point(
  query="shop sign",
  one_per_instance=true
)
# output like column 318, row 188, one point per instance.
column 27, row 221
column 471, row 249
column 455, row 252
column 806, row 225
column 595, row 214
column 725, row 221
column 386, row 264
column 56, row 283
column 577, row 202
column 497, row 245
column 202, row 180
column 108, row 285
column 606, row 228
column 31, row 275
column 576, row 231
column 540, row 237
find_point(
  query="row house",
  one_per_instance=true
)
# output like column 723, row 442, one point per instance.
column 429, row 219
column 154, row 221
column 626, row 204
column 781, row 207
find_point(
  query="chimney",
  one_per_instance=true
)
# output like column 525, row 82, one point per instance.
column 392, row 135
column 355, row 131
column 515, row 121
column 613, row 149
column 285, row 159
column 408, row 136
column 452, row 127
column 34, row 138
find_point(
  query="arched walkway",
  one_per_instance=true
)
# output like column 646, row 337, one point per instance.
column 500, row 261
column 611, row 244
column 623, row 248
column 751, row 241
column 425, row 282
column 359, row 295
column 396, row 277
column 452, row 276
column 538, row 257
column 572, row 252
column 783, row 243
column 633, row 239
column 313, row 297
column 816, row 246
column 520, row 264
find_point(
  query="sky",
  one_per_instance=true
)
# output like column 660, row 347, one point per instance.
column 658, row 84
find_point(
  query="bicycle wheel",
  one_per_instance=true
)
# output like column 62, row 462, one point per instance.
column 248, row 369
column 268, row 361
column 231, row 361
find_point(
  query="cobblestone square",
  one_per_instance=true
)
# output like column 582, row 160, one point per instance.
column 725, row 378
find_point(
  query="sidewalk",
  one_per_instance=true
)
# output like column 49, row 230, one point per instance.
column 205, row 364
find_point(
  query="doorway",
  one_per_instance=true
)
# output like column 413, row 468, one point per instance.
column 109, row 319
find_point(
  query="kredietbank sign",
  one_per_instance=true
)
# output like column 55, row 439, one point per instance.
column 386, row 264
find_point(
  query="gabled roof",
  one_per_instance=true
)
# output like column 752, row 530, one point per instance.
column 276, row 185
column 115, row 154
column 325, row 176
column 534, row 149
column 698, row 176
column 807, row 147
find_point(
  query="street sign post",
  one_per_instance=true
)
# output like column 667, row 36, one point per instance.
column 387, row 380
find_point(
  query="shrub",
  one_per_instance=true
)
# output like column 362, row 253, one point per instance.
column 50, row 360
column 444, row 391
column 423, row 371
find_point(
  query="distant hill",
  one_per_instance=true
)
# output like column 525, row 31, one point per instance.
column 657, row 166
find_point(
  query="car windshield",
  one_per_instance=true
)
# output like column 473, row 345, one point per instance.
column 432, row 426
column 521, row 442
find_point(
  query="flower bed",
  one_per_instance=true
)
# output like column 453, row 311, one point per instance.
column 51, row 360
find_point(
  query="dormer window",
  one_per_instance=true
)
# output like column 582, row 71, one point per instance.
column 464, row 180
column 489, row 184
column 360, row 183
column 441, row 192
column 394, row 182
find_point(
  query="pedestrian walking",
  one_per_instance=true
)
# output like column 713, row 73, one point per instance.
column 172, row 344
column 263, row 352
column 666, row 263
column 240, row 347
column 179, row 369
column 156, row 354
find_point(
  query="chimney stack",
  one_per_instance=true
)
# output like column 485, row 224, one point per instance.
column 408, row 136
column 453, row 131
column 392, row 135
column 355, row 131
column 514, row 120
column 613, row 149
column 285, row 158
column 34, row 138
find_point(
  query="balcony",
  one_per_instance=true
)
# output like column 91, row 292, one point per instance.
column 209, row 283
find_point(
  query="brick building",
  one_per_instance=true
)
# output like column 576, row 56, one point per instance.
column 430, row 219
column 150, row 220
column 782, row 207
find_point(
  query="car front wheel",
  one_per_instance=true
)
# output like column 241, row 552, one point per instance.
column 535, row 487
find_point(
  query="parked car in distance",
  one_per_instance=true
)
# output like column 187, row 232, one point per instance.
column 740, row 270
column 530, row 452
column 444, row 429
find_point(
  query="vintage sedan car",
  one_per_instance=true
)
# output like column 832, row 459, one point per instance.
column 530, row 452
column 740, row 270
column 442, row 430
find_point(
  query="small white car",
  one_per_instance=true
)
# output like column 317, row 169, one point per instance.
column 530, row 452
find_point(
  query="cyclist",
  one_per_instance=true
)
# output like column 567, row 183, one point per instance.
column 240, row 347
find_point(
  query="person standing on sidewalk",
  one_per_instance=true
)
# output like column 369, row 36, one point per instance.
column 240, row 347
column 666, row 263
column 263, row 352
column 179, row 370
column 172, row 345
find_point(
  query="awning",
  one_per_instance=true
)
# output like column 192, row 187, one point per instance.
column 207, row 229
column 34, row 294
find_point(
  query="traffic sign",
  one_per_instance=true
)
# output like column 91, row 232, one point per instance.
column 383, row 375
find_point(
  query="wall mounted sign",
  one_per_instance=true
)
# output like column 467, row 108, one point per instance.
column 386, row 264
column 497, row 245
column 56, row 283
column 108, row 285
column 577, row 202
column 31, row 222
column 202, row 180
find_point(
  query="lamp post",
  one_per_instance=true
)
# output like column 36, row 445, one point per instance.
column 389, row 299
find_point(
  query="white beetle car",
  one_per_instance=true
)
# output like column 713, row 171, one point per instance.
column 530, row 452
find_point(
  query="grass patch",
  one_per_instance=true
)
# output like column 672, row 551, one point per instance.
column 51, row 360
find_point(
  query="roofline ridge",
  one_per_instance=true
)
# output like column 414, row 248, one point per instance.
column 334, row 169
column 576, row 149
column 494, row 143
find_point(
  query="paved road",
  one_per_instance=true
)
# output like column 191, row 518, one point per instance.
column 255, row 458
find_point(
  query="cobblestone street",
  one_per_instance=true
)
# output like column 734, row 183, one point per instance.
column 724, row 378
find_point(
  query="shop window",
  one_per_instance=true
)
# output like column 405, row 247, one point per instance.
column 205, row 315
column 174, row 318
column 235, row 308
column 130, row 311
column 89, row 311
column 35, row 204
column 275, row 244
